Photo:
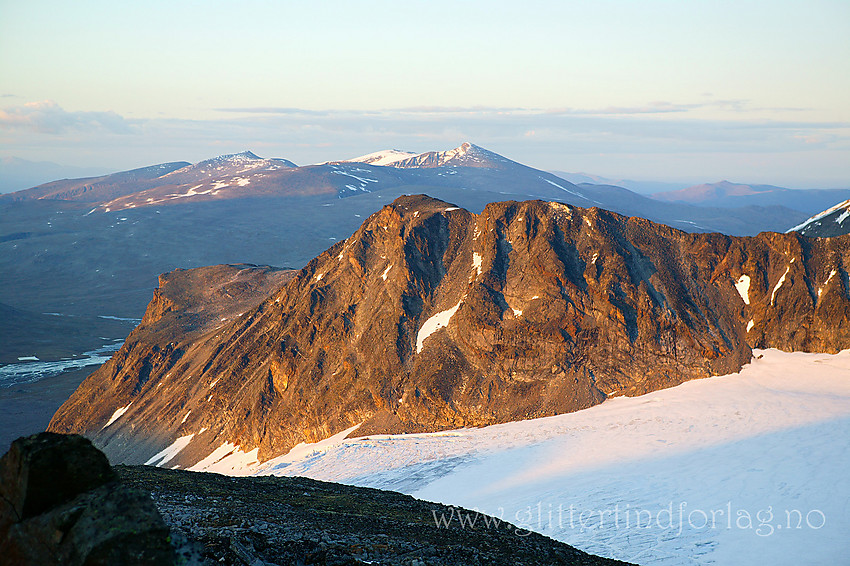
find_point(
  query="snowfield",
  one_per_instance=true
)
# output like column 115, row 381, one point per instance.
column 750, row 468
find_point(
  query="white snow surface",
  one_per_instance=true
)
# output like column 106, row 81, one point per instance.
column 163, row 457
column 384, row 157
column 825, row 283
column 435, row 323
column 713, row 471
column 565, row 189
column 476, row 262
column 779, row 284
column 229, row 459
column 117, row 415
column 743, row 287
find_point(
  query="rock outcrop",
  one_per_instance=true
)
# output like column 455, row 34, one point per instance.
column 430, row 317
column 61, row 503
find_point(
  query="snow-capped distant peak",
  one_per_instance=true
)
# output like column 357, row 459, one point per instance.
column 384, row 157
column 814, row 225
column 466, row 155
column 238, row 157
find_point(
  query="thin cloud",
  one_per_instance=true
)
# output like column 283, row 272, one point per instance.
column 275, row 110
column 461, row 110
column 655, row 107
column 47, row 117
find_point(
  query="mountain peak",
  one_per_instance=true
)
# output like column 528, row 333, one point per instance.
column 831, row 222
column 383, row 157
column 465, row 155
column 430, row 317
column 238, row 157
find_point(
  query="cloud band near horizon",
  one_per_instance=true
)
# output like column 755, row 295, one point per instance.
column 544, row 138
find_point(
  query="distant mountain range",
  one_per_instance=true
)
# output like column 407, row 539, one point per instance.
column 726, row 194
column 17, row 174
column 95, row 245
column 462, row 171
column 642, row 187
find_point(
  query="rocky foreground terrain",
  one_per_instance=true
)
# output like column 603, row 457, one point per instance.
column 63, row 504
column 431, row 318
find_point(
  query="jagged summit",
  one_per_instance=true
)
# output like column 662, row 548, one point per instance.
column 430, row 317
column 465, row 155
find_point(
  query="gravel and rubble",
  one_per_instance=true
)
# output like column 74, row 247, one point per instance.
column 253, row 521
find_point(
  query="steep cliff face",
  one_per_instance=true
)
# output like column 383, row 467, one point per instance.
column 430, row 317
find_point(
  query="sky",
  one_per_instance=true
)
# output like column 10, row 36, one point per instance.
column 697, row 91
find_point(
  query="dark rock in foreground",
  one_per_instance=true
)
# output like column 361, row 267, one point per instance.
column 271, row 520
column 61, row 503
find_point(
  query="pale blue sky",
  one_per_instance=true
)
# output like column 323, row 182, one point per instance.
column 753, row 91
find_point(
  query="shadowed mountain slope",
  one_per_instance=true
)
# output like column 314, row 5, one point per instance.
column 834, row 221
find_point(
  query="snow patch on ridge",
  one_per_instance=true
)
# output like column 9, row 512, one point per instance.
column 163, row 457
column 384, row 157
column 476, row 262
column 565, row 189
column 779, row 284
column 433, row 324
column 825, row 283
column 117, row 415
column 229, row 459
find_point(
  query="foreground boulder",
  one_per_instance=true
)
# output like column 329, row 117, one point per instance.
column 61, row 503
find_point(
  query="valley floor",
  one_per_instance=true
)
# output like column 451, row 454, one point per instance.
column 26, row 407
column 740, row 469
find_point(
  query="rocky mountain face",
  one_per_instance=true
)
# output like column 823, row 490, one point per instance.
column 242, row 208
column 831, row 222
column 430, row 317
